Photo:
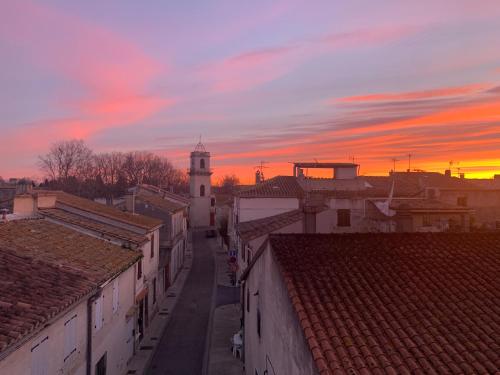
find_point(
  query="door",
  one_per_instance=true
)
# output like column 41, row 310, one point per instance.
column 100, row 367
column 212, row 218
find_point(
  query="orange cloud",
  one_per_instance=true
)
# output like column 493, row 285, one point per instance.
column 415, row 95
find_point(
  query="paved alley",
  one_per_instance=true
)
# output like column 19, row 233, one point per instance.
column 182, row 346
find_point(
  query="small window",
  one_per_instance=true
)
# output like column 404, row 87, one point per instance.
column 69, row 337
column 202, row 190
column 202, row 164
column 99, row 318
column 248, row 300
column 116, row 295
column 427, row 221
column 100, row 367
column 343, row 218
column 212, row 202
column 154, row 290
column 139, row 269
column 152, row 245
column 462, row 201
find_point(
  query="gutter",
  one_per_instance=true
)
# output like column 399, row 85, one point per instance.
column 90, row 301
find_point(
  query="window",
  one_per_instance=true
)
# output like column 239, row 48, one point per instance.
column 258, row 322
column 462, row 201
column 152, row 245
column 39, row 355
column 202, row 164
column 248, row 300
column 99, row 318
column 69, row 337
column 139, row 269
column 343, row 218
column 427, row 221
column 202, row 190
column 154, row 290
column 100, row 367
column 212, row 202
column 116, row 295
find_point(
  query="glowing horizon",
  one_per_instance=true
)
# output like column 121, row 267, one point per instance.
column 278, row 82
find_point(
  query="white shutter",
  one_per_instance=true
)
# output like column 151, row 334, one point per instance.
column 70, row 337
column 98, row 313
column 116, row 295
column 39, row 353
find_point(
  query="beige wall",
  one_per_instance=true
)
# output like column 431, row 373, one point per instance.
column 281, row 345
column 20, row 361
column 249, row 209
column 115, row 338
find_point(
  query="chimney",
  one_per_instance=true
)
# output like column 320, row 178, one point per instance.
column 25, row 204
column 447, row 172
column 130, row 202
column 258, row 178
column 462, row 176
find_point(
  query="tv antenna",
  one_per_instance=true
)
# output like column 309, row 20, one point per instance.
column 260, row 168
column 394, row 160
column 409, row 162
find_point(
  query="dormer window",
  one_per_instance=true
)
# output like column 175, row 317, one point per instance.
column 202, row 164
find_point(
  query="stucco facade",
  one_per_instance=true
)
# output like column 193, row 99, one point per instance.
column 247, row 209
column 278, row 346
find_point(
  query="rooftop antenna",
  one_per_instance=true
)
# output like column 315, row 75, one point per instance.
column 394, row 160
column 260, row 168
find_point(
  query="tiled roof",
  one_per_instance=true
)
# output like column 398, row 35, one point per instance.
column 164, row 193
column 93, row 225
column 425, row 204
column 97, row 259
column 276, row 187
column 32, row 292
column 396, row 303
column 160, row 203
column 44, row 269
column 249, row 230
column 113, row 213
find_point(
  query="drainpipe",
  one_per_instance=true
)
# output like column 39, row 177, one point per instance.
column 90, row 301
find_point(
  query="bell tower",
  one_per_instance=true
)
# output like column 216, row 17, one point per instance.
column 202, row 208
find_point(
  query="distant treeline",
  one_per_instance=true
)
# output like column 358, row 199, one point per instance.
column 73, row 167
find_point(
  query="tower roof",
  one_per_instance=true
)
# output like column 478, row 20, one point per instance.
column 200, row 147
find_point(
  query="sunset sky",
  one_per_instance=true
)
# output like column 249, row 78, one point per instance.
column 275, row 81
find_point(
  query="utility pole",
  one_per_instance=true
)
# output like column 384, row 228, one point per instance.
column 409, row 162
column 394, row 160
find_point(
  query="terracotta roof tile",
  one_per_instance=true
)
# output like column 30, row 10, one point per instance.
column 44, row 269
column 141, row 221
column 397, row 303
column 249, row 230
column 93, row 225
column 276, row 187
column 158, row 202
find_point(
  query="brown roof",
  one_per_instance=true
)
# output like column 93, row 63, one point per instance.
column 32, row 292
column 93, row 225
column 249, row 230
column 46, row 268
column 160, row 203
column 425, row 205
column 276, row 187
column 57, row 244
column 164, row 193
column 396, row 303
column 109, row 212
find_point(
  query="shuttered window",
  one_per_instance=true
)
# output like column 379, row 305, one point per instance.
column 99, row 319
column 116, row 295
column 39, row 356
column 70, row 337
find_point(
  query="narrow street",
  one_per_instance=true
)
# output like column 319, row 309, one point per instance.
column 182, row 346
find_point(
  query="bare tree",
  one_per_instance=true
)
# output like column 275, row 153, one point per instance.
column 228, row 183
column 67, row 159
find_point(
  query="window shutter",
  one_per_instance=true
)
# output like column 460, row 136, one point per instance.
column 98, row 313
column 70, row 337
column 116, row 295
column 39, row 353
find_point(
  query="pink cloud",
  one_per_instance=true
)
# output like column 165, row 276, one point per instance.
column 415, row 95
column 114, row 74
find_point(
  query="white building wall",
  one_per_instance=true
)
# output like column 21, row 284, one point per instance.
column 356, row 206
column 249, row 209
column 52, row 350
column 115, row 337
column 256, row 243
column 281, row 347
